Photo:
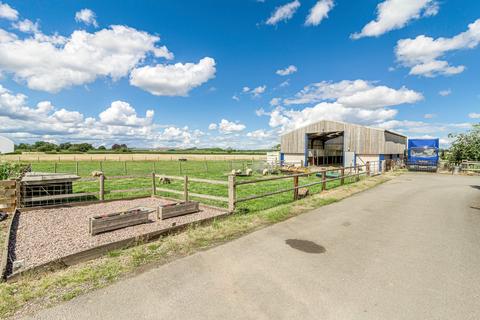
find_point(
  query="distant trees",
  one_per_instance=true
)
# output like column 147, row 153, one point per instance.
column 465, row 146
column 43, row 146
column 120, row 147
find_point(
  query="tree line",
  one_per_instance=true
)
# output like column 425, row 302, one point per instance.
column 43, row 146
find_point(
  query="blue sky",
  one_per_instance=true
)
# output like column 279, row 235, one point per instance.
column 234, row 73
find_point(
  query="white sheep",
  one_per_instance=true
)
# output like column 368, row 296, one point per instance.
column 248, row 172
column 97, row 173
column 164, row 180
column 239, row 171
column 265, row 172
column 234, row 172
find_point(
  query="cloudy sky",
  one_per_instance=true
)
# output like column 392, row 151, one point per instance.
column 234, row 73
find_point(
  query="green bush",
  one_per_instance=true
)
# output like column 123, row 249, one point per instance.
column 10, row 170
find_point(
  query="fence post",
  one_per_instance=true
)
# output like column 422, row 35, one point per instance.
column 231, row 193
column 342, row 180
column 368, row 168
column 18, row 194
column 295, row 185
column 180, row 167
column 54, row 167
column 357, row 173
column 206, row 165
column 76, row 168
column 154, row 167
column 185, row 188
column 154, row 186
column 125, row 167
column 324, row 180
column 101, row 194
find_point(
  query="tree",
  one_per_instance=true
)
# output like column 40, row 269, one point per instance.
column 102, row 148
column 466, row 146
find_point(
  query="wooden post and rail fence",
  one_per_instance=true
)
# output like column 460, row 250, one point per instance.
column 10, row 190
column 232, row 184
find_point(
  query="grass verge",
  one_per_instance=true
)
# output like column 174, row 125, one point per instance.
column 40, row 290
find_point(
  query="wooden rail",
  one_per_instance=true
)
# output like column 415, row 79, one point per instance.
column 186, row 192
column 233, row 200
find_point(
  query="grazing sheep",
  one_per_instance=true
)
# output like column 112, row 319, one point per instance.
column 239, row 171
column 265, row 172
column 234, row 172
column 248, row 172
column 164, row 180
column 97, row 173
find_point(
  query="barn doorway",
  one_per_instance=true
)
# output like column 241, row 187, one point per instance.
column 325, row 148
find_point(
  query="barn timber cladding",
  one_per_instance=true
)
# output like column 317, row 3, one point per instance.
column 356, row 138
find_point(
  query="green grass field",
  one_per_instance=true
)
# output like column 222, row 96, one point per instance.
column 215, row 170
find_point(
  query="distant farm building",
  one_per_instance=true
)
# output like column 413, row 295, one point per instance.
column 337, row 143
column 6, row 145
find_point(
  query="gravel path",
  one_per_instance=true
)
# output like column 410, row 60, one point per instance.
column 48, row 234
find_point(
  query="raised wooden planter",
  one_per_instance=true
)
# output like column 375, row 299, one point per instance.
column 118, row 220
column 177, row 209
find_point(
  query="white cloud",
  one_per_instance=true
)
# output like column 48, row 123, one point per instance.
column 474, row 115
column 261, row 112
column 445, row 93
column 429, row 115
column 212, row 126
column 319, row 12
column 259, row 134
column 86, row 16
column 420, row 129
column 356, row 101
column 290, row 119
column 119, row 122
column 355, row 94
column 121, row 113
column 27, row 26
column 173, row 80
column 287, row 71
column 283, row 13
column 52, row 63
column 395, row 14
column 235, row 97
column 259, row 90
column 255, row 92
column 228, row 127
column 66, row 116
column 423, row 54
column 275, row 101
column 7, row 12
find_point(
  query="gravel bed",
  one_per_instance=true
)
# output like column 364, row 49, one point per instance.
column 47, row 234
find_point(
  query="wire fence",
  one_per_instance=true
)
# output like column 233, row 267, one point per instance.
column 135, row 168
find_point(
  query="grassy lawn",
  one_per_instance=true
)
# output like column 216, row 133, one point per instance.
column 215, row 170
column 45, row 289
column 210, row 168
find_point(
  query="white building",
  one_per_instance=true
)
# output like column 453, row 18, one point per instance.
column 6, row 145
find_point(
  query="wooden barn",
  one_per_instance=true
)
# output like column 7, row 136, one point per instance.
column 337, row 143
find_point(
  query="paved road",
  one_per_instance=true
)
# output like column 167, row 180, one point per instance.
column 408, row 249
